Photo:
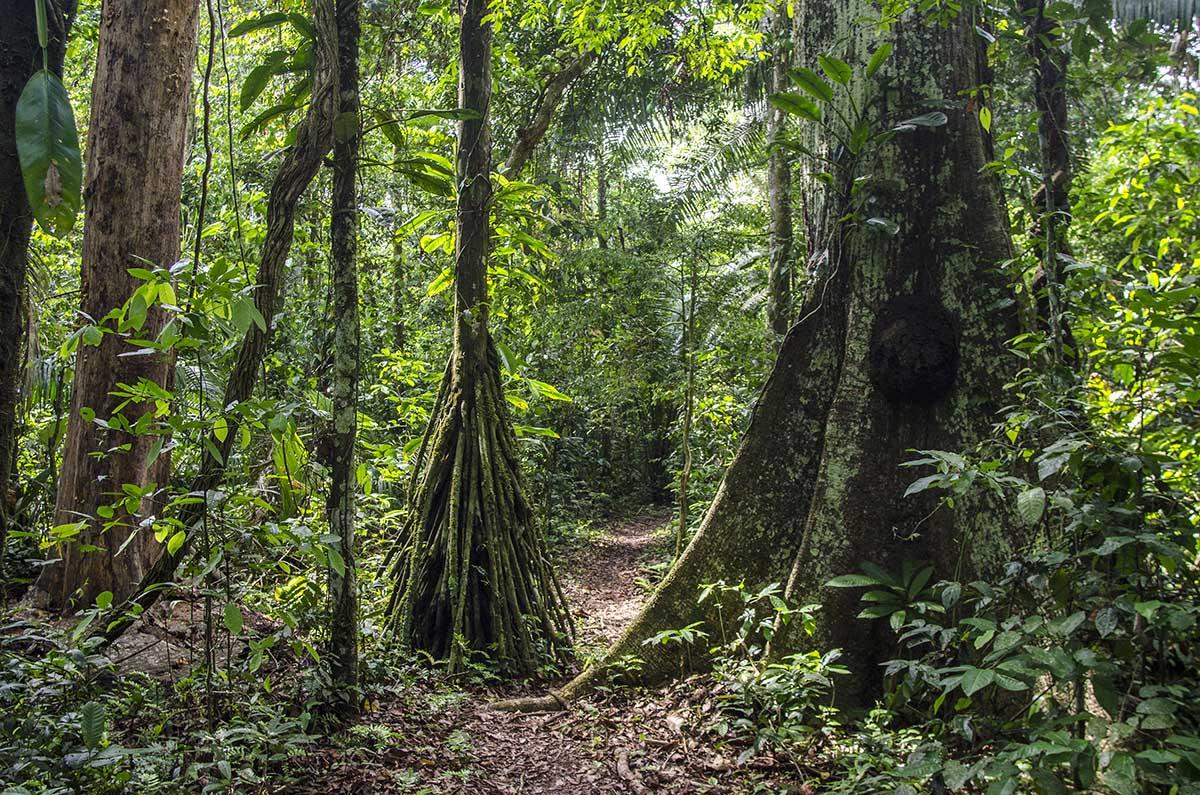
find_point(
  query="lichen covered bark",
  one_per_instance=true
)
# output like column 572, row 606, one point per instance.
column 344, row 388
column 779, row 189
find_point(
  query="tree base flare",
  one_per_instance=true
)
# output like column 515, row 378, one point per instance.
column 470, row 570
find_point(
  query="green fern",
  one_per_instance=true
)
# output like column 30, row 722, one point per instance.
column 92, row 722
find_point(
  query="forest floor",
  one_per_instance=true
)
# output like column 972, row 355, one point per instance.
column 439, row 737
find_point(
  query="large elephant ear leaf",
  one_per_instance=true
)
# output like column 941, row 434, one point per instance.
column 48, row 148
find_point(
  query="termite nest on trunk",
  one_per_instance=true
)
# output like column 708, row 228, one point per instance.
column 914, row 350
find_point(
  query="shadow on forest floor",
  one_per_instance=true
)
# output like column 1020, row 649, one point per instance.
column 436, row 738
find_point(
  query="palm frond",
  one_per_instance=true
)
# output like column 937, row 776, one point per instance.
column 192, row 381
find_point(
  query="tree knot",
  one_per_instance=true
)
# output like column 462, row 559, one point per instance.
column 914, row 350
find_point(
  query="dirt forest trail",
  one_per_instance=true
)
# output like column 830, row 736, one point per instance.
column 453, row 743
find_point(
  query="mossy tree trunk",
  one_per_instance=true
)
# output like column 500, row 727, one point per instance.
column 779, row 188
column 137, row 136
column 470, row 570
column 343, row 233
column 898, row 346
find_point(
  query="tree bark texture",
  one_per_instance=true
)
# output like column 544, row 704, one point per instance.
column 314, row 139
column 20, row 57
column 470, row 571
column 779, row 189
column 899, row 346
column 137, row 136
column 343, row 584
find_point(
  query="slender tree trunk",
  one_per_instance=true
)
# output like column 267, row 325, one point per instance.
column 688, row 285
column 1052, row 200
column 399, row 274
column 137, row 136
column 343, row 585
column 470, row 570
column 314, row 138
column 20, row 57
column 899, row 346
column 601, row 196
column 779, row 191
column 399, row 293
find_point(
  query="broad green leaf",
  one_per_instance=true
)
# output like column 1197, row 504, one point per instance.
column 256, row 82
column 976, row 679
column 838, row 70
column 878, row 57
column 547, row 390
column 233, row 619
column 92, row 722
column 246, row 313
column 303, row 25
column 1031, row 504
column 796, row 105
column 811, row 82
column 176, row 542
column 220, row 428
column 48, row 150
column 1067, row 624
column 337, row 562
column 985, row 118
column 440, row 283
column 258, row 23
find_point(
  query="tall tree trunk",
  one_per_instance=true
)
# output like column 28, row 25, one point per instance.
column 899, row 346
column 314, row 138
column 601, row 194
column 399, row 274
column 141, row 103
column 343, row 233
column 689, row 283
column 779, row 190
column 20, row 57
column 399, row 289
column 1052, row 200
column 470, row 570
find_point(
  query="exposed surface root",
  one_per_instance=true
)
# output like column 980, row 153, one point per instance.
column 470, row 570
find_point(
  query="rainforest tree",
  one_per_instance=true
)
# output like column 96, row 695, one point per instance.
column 343, row 583
column 313, row 139
column 470, row 567
column 779, row 184
column 113, row 466
column 898, row 346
